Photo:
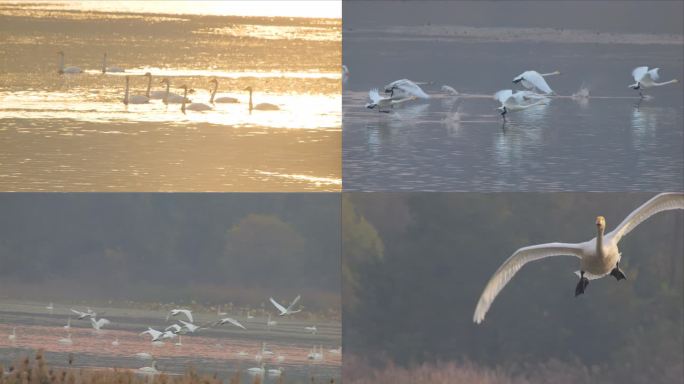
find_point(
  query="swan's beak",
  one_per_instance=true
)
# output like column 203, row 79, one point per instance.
column 600, row 221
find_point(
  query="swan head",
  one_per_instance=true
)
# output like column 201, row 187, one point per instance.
column 600, row 223
column 147, row 74
column 164, row 81
column 636, row 85
column 128, row 78
column 517, row 80
column 213, row 81
column 248, row 89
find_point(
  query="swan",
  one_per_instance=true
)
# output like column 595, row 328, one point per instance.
column 517, row 101
column 599, row 256
column 384, row 104
column 149, row 370
column 175, row 328
column 345, row 74
column 218, row 311
column 275, row 372
column 241, row 354
column 98, row 324
column 271, row 323
column 176, row 312
column 67, row 70
column 190, row 327
column 315, row 355
column 260, row 106
column 143, row 356
column 158, row 95
column 534, row 79
column 249, row 316
column 84, row 315
column 449, row 90
column 223, row 99
column 134, row 99
column 68, row 324
column 156, row 335
column 168, row 335
column 170, row 97
column 264, row 351
column 256, row 371
column 192, row 106
column 116, row 342
column 405, row 88
column 13, row 336
column 312, row 329
column 179, row 343
column 646, row 78
column 66, row 340
column 230, row 320
column 289, row 310
column 50, row 308
column 336, row 351
column 110, row 69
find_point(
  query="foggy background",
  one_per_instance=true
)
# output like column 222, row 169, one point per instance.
column 239, row 248
column 414, row 266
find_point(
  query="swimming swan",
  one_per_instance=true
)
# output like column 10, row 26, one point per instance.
column 599, row 256
column 260, row 106
column 192, row 107
column 134, row 99
column 67, row 70
column 222, row 99
column 110, row 69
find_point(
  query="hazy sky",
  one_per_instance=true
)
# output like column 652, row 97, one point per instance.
column 604, row 16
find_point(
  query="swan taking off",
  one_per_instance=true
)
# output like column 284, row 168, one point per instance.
column 67, row 70
column 176, row 312
column 192, row 107
column 260, row 106
column 384, row 104
column 517, row 101
column 290, row 308
column 134, row 99
column 222, row 99
column 405, row 88
column 230, row 320
column 534, row 79
column 156, row 335
column 646, row 78
column 599, row 256
column 110, row 69
column 83, row 315
column 98, row 324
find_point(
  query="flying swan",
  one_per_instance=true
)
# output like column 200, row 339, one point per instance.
column 384, row 104
column 646, row 78
column 517, row 101
column 599, row 256
column 534, row 79
column 404, row 88
column 289, row 310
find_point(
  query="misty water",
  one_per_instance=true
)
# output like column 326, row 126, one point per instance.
column 608, row 141
column 73, row 132
column 215, row 350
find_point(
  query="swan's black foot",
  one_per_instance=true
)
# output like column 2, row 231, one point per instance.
column 617, row 274
column 581, row 286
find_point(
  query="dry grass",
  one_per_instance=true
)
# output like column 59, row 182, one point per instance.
column 37, row 371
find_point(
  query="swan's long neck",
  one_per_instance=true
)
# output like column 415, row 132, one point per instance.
column 166, row 94
column 104, row 63
column 250, row 101
column 665, row 83
column 149, row 86
column 211, row 101
column 599, row 241
column 185, row 95
column 551, row 73
column 126, row 93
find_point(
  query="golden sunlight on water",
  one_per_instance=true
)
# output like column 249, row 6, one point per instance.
column 57, row 121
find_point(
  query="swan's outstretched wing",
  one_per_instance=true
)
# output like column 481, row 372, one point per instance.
column 653, row 74
column 534, row 78
column 187, row 313
column 408, row 87
column 280, row 307
column 374, row 95
column 509, row 268
column 233, row 321
column 638, row 73
column 294, row 302
column 659, row 203
column 503, row 95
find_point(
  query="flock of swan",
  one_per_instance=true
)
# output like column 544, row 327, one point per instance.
column 599, row 257
column 537, row 90
column 166, row 96
column 186, row 325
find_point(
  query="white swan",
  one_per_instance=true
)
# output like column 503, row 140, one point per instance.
column 84, row 315
column 290, row 308
column 190, row 327
column 249, row 316
column 115, row 343
column 156, row 335
column 110, row 69
column 149, row 370
column 315, row 355
column 68, row 324
column 218, row 311
column 67, row 70
column 176, row 312
column 175, row 328
column 222, row 99
column 158, row 95
column 534, row 79
column 50, row 308
column 270, row 323
column 384, row 104
column 646, row 78
column 231, row 321
column 345, row 74
column 517, row 101
column 312, row 329
column 599, row 256
column 260, row 106
column 179, row 343
column 170, row 97
column 134, row 99
column 256, row 371
column 192, row 106
column 66, row 340
column 275, row 372
column 405, row 88
column 13, row 336
column 98, row 324
column 168, row 335
column 143, row 356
